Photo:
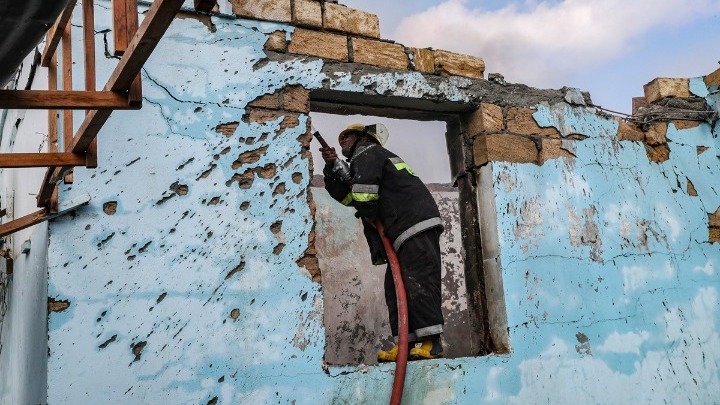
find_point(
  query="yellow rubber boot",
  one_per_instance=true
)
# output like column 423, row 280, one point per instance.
column 385, row 356
column 431, row 348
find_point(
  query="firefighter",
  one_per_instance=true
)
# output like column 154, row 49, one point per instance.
column 382, row 186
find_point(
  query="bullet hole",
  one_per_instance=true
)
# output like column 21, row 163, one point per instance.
column 297, row 177
column 303, row 296
column 131, row 258
column 228, row 129
column 234, row 314
column 110, row 207
column 106, row 240
column 276, row 227
column 182, row 166
column 214, row 201
column 57, row 305
column 132, row 162
column 144, row 248
column 137, row 349
column 250, row 141
column 180, row 189
column 221, row 379
column 197, row 109
column 225, row 151
column 87, row 227
column 237, row 269
column 161, row 297
column 278, row 248
column 213, row 401
column 280, row 189
column 252, row 301
column 249, row 157
column 268, row 171
column 207, row 172
column 107, row 342
column 245, row 180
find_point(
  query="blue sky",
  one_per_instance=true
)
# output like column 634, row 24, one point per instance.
column 610, row 48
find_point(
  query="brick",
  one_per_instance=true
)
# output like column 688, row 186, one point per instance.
column 487, row 118
column 629, row 132
column 379, row 53
column 260, row 116
column 656, row 134
column 685, row 124
column 307, row 13
column 277, row 42
column 714, row 235
column 320, row 44
column 455, row 64
column 713, row 79
column 714, row 219
column 297, row 99
column 658, row 154
column 666, row 87
column 270, row 101
column 638, row 102
column 701, row 149
column 691, row 189
column 423, row 60
column 521, row 121
column 345, row 19
column 552, row 148
column 272, row 10
column 504, row 147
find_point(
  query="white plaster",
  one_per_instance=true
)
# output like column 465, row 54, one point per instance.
column 624, row 342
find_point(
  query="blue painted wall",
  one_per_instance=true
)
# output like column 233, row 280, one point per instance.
column 181, row 292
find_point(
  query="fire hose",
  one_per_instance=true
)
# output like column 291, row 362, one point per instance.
column 402, row 356
column 343, row 172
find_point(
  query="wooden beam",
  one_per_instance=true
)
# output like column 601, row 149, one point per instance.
column 205, row 6
column 67, row 121
column 42, row 215
column 24, row 222
column 53, row 125
column 55, row 33
column 88, row 7
column 151, row 30
column 64, row 100
column 156, row 22
column 50, row 159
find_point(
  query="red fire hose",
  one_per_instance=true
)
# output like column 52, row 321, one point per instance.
column 402, row 356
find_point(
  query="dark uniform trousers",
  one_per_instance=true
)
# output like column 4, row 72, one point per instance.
column 420, row 263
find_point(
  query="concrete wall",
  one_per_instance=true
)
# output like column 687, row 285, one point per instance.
column 192, row 276
column 23, row 294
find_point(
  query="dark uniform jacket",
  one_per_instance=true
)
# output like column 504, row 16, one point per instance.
column 384, row 187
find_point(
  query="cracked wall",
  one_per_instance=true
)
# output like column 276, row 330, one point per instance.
column 191, row 276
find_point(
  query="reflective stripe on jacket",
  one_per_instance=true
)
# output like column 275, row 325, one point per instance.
column 385, row 186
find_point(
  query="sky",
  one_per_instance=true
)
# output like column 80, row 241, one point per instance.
column 610, row 48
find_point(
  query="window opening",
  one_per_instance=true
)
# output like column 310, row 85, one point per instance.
column 356, row 320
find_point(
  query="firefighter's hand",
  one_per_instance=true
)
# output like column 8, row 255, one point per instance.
column 329, row 154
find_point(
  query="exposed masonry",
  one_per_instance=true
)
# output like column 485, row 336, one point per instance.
column 194, row 283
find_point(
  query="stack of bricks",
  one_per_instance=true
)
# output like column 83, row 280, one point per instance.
column 654, row 136
column 511, row 134
column 338, row 33
column 714, row 226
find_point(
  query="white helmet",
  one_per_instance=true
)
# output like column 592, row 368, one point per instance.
column 376, row 131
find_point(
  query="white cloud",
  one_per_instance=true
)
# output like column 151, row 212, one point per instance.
column 708, row 268
column 543, row 41
column 624, row 343
column 635, row 277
